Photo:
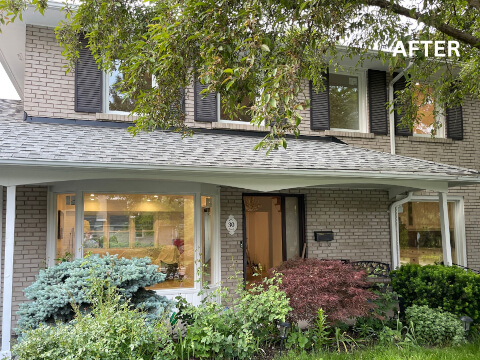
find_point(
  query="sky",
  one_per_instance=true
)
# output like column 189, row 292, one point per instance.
column 7, row 91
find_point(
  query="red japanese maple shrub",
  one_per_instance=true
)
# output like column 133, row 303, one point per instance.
column 338, row 288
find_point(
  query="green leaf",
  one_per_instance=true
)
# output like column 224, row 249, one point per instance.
column 265, row 48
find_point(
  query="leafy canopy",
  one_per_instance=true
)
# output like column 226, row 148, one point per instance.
column 265, row 49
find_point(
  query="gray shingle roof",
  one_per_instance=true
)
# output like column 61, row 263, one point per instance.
column 26, row 141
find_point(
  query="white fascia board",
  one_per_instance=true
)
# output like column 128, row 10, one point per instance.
column 34, row 172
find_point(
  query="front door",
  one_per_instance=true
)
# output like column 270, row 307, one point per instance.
column 274, row 231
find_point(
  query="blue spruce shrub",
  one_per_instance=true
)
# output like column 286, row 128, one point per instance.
column 57, row 287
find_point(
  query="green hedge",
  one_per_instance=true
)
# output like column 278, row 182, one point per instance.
column 434, row 326
column 448, row 287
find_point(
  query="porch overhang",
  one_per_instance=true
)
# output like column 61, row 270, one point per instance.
column 265, row 180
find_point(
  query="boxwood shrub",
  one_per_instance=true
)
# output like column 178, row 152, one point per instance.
column 434, row 326
column 447, row 287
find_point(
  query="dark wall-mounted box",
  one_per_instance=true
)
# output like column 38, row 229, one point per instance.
column 323, row 235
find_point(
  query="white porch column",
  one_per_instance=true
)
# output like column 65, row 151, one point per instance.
column 1, row 236
column 445, row 228
column 8, row 271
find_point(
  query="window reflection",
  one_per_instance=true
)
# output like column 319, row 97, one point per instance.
column 133, row 225
column 344, row 102
column 420, row 233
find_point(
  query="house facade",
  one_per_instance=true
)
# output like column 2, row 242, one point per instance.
column 74, row 181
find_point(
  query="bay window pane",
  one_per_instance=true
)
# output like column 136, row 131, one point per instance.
column 420, row 234
column 138, row 225
column 207, row 237
column 65, row 229
column 344, row 102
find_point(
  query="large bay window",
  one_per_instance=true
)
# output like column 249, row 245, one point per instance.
column 159, row 226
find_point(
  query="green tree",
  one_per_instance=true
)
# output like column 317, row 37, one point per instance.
column 265, row 49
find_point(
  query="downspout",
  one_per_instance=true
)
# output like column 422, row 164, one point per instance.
column 394, row 236
column 391, row 113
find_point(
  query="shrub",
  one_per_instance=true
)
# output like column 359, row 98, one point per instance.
column 448, row 287
column 57, row 287
column 112, row 330
column 337, row 288
column 434, row 326
column 234, row 332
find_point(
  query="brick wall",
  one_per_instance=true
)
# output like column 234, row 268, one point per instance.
column 359, row 219
column 30, row 240
column 49, row 91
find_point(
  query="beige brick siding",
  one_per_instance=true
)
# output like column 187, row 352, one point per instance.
column 49, row 91
column 358, row 218
column 30, row 240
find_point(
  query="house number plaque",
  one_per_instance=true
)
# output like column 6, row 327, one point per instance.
column 231, row 225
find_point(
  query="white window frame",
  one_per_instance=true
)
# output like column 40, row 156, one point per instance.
column 141, row 187
column 362, row 100
column 106, row 96
column 459, row 220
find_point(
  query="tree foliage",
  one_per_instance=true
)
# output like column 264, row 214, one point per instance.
column 265, row 49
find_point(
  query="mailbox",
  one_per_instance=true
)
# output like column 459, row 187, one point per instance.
column 323, row 235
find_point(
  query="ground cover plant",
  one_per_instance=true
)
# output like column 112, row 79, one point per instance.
column 447, row 287
column 58, row 288
column 337, row 288
column 236, row 331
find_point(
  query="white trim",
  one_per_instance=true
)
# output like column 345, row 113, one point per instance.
column 394, row 235
column 51, row 229
column 8, row 269
column 445, row 228
column 474, row 179
column 78, row 250
column 1, row 238
column 362, row 100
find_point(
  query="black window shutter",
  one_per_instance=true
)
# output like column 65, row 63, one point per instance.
column 399, row 128
column 205, row 106
column 320, row 107
column 88, row 82
column 377, row 92
column 454, row 120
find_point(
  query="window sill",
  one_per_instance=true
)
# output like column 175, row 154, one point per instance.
column 351, row 134
column 430, row 139
column 114, row 117
column 235, row 126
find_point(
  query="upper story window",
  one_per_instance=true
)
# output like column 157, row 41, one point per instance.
column 347, row 96
column 428, row 114
column 114, row 101
column 242, row 116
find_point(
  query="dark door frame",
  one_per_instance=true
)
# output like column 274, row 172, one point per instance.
column 301, row 227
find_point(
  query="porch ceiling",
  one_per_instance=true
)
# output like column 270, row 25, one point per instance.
column 35, row 152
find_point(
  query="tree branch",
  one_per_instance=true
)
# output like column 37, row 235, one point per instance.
column 444, row 28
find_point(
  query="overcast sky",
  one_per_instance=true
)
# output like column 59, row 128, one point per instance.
column 7, row 91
